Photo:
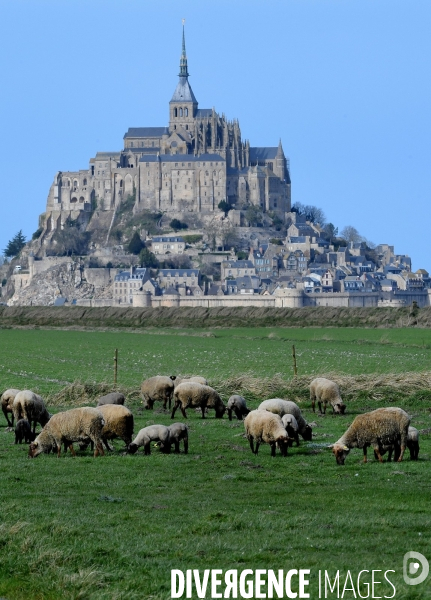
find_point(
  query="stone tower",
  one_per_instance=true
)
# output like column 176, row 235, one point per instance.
column 183, row 105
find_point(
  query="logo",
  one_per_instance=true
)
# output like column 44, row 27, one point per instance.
column 411, row 565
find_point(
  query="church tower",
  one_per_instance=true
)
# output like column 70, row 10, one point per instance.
column 183, row 105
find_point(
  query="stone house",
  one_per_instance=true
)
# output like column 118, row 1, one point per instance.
column 190, row 278
column 237, row 268
column 168, row 245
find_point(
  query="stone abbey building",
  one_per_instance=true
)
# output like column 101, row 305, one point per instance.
column 190, row 165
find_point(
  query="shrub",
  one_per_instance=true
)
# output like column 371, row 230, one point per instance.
column 148, row 259
column 276, row 241
column 36, row 235
column 242, row 255
column 136, row 244
column 69, row 241
column 176, row 225
column 192, row 239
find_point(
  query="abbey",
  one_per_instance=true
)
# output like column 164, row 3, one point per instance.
column 190, row 165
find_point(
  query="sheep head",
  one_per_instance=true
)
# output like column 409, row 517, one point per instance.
column 340, row 451
column 132, row 448
column 340, row 408
column 307, row 433
column 34, row 449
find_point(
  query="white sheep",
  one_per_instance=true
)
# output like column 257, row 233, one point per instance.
column 324, row 391
column 264, row 427
column 111, row 398
column 158, row 388
column 178, row 432
column 153, row 433
column 118, row 424
column 75, row 425
column 7, row 403
column 380, row 428
column 291, row 426
column 238, row 405
column 287, row 407
column 196, row 395
column 30, row 406
column 195, row 378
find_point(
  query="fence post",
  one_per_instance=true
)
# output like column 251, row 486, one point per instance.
column 115, row 366
column 295, row 369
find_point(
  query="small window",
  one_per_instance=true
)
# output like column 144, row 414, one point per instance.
column 84, row 182
column 121, row 183
column 186, row 114
column 131, row 144
column 181, row 112
column 175, row 112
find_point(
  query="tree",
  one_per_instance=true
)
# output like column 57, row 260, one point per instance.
column 253, row 214
column 177, row 261
column 350, row 234
column 331, row 231
column 312, row 213
column 224, row 206
column 176, row 225
column 69, row 241
column 135, row 244
column 15, row 245
column 148, row 259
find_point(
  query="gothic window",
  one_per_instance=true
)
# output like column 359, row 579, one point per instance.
column 75, row 183
column 175, row 112
column 74, row 199
column 186, row 113
column 181, row 112
column 206, row 173
column 81, row 199
column 152, row 144
column 187, row 126
column 178, row 172
column 142, row 144
column 85, row 182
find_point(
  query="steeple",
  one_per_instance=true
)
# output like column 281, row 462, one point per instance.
column 183, row 60
column 280, row 153
column 280, row 168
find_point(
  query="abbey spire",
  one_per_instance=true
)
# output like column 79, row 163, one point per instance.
column 183, row 61
column 183, row 105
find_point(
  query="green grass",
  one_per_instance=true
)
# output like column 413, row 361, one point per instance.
column 112, row 528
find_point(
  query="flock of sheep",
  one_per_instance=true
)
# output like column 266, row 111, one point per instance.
column 276, row 422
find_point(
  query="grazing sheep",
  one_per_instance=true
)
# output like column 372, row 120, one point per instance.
column 195, row 378
column 325, row 390
column 112, row 398
column 380, row 428
column 75, row 425
column 23, row 432
column 157, row 388
column 264, row 427
column 6, row 404
column 412, row 445
column 195, row 395
column 178, row 432
column 153, row 433
column 291, row 426
column 237, row 404
column 287, row 407
column 30, row 406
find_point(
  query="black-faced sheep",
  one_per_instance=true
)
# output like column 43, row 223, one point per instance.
column 196, row 395
column 238, row 405
column 30, row 406
column 287, row 407
column 23, row 432
column 159, row 388
column 324, row 391
column 153, row 433
column 291, row 426
column 264, row 427
column 7, row 403
column 75, row 425
column 380, row 428
column 111, row 398
column 178, row 432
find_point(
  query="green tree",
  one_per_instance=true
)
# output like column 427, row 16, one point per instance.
column 15, row 245
column 176, row 225
column 135, row 244
column 224, row 206
column 148, row 259
column 253, row 214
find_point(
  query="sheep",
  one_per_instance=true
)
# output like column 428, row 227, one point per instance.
column 379, row 428
column 30, row 406
column 287, row 407
column 23, row 432
column 325, row 390
column 267, row 428
column 237, row 404
column 70, row 426
column 195, row 378
column 6, row 404
column 157, row 388
column 291, row 426
column 118, row 424
column 153, row 433
column 412, row 445
column 178, row 432
column 111, row 398
column 194, row 394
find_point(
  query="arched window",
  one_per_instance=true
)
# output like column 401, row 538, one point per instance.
column 75, row 183
column 74, row 199
column 85, row 182
column 175, row 112
column 121, row 183
column 186, row 112
column 181, row 112
column 81, row 199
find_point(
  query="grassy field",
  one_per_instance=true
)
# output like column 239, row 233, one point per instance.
column 112, row 528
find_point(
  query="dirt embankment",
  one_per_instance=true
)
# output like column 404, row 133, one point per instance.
column 77, row 316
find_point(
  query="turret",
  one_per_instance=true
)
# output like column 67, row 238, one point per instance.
column 183, row 105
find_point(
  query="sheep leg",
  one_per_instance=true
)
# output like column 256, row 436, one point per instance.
column 229, row 414
column 273, row 448
column 203, row 411
column 257, row 447
column 98, row 449
column 176, row 405
column 9, row 424
column 186, row 445
column 250, row 439
column 319, row 404
column 401, row 453
column 313, row 403
column 365, row 454
column 72, row 449
column 147, row 448
column 177, row 447
column 58, row 444
column 377, row 452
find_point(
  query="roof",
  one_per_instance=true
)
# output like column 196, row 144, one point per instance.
column 204, row 112
column 167, row 239
column 138, row 273
column 239, row 264
column 107, row 154
column 264, row 153
column 182, row 158
column 146, row 132
column 183, row 92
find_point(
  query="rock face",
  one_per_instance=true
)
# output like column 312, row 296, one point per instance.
column 66, row 280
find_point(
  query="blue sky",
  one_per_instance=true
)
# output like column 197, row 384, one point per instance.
column 344, row 83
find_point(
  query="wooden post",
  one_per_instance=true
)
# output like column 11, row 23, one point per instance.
column 295, row 369
column 115, row 366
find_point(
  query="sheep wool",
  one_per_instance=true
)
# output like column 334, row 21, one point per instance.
column 23, row 432
column 30, row 406
column 324, row 391
column 112, row 398
column 7, row 399
column 152, row 433
column 158, row 388
column 195, row 395
column 75, row 425
column 178, row 432
column 238, row 405
column 379, row 428
column 264, row 427
column 195, row 378
column 118, row 423
column 287, row 407
column 291, row 426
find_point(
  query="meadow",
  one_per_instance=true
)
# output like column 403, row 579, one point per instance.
column 112, row 528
